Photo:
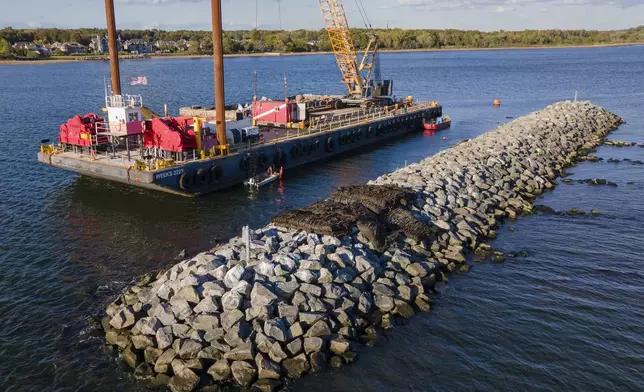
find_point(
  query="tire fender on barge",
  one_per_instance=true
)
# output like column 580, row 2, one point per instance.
column 330, row 144
column 203, row 177
column 216, row 173
column 244, row 164
column 305, row 149
column 263, row 161
column 296, row 151
column 280, row 159
column 187, row 181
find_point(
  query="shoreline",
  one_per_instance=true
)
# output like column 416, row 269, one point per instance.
column 187, row 56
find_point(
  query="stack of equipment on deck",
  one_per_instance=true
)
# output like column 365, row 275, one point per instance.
column 173, row 134
column 78, row 130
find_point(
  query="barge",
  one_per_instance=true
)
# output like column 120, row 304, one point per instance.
column 128, row 153
column 202, row 150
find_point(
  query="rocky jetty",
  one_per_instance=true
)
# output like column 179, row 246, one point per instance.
column 319, row 280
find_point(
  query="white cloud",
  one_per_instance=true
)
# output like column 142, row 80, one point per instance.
column 456, row 4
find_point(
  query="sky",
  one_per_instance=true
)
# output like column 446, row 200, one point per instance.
column 486, row 15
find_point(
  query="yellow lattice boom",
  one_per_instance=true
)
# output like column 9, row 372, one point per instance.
column 337, row 26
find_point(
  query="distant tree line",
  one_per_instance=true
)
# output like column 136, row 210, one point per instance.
column 258, row 41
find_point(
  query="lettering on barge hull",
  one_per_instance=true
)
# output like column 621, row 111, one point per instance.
column 168, row 174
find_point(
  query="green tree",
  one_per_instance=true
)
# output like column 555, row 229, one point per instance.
column 228, row 45
column 295, row 41
column 5, row 47
column 194, row 47
column 255, row 36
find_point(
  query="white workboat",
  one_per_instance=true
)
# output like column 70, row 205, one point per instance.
column 262, row 179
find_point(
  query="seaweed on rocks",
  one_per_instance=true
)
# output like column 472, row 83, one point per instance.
column 374, row 210
column 374, row 231
column 379, row 199
column 402, row 220
column 325, row 217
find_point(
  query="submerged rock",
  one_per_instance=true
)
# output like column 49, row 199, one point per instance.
column 497, row 258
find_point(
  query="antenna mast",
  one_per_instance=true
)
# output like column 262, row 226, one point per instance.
column 255, row 86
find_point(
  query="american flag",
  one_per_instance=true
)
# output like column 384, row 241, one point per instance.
column 138, row 80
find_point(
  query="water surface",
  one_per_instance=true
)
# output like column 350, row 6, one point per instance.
column 566, row 318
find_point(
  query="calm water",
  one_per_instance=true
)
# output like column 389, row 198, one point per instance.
column 569, row 317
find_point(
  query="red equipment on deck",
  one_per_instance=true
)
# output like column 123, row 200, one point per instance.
column 78, row 131
column 278, row 112
column 173, row 134
column 273, row 111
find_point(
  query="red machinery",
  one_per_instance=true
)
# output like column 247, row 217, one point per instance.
column 78, row 131
column 278, row 112
column 175, row 134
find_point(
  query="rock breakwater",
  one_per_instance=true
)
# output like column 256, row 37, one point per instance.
column 319, row 280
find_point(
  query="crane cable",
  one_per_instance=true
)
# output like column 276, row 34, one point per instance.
column 364, row 19
column 279, row 11
column 363, row 14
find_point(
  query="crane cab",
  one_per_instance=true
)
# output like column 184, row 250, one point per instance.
column 379, row 88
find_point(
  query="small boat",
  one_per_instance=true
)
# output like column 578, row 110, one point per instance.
column 263, row 179
column 438, row 124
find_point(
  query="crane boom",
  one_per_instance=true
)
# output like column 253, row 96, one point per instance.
column 360, row 86
column 337, row 26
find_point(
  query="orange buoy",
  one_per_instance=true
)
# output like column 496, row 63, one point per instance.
column 497, row 102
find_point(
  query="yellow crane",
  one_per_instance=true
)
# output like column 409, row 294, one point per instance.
column 360, row 86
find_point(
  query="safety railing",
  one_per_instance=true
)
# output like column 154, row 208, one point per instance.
column 357, row 118
column 353, row 118
column 114, row 152
column 99, row 137
column 124, row 100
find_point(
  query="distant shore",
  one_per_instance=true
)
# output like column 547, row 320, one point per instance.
column 60, row 60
